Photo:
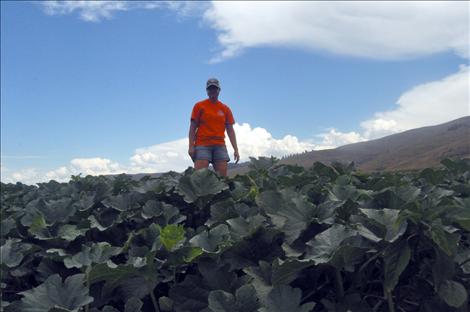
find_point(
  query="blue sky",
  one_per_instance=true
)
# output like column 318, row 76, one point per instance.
column 109, row 87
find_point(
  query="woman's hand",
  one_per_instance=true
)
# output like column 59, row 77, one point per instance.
column 236, row 156
column 191, row 152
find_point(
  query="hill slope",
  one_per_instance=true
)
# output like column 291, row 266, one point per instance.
column 413, row 149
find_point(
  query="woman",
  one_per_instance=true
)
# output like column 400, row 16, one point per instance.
column 209, row 119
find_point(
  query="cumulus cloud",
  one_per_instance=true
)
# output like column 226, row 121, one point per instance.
column 252, row 142
column 173, row 155
column 84, row 166
column 259, row 142
column 95, row 166
column 61, row 174
column 166, row 156
column 28, row 175
column 379, row 30
column 427, row 104
column 334, row 138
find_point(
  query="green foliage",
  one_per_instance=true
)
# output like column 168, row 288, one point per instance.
column 171, row 235
column 278, row 238
column 68, row 296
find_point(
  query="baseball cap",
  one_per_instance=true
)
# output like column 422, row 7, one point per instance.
column 212, row 82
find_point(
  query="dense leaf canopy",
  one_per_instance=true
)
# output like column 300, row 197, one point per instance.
column 278, row 238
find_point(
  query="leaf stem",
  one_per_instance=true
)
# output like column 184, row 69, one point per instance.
column 154, row 301
column 377, row 305
column 339, row 283
column 314, row 291
column 464, row 262
column 388, row 296
column 87, row 275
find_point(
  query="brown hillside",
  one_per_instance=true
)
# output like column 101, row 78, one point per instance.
column 409, row 150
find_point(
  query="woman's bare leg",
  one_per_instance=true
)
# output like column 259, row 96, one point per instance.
column 201, row 163
column 221, row 167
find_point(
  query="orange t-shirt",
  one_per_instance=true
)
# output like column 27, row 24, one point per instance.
column 211, row 120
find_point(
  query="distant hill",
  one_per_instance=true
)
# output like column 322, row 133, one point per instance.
column 409, row 150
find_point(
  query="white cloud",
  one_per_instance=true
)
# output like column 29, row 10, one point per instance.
column 95, row 166
column 335, row 138
column 173, row 155
column 259, row 142
column 84, row 166
column 166, row 156
column 94, row 11
column 252, row 142
column 380, row 30
column 29, row 175
column 61, row 174
column 424, row 105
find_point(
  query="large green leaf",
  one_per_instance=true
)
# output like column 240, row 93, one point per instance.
column 71, row 294
column 102, row 272
column 123, row 202
column 444, row 240
column 209, row 240
column 323, row 246
column 133, row 305
column 96, row 253
column 153, row 208
column 245, row 300
column 104, row 219
column 202, row 182
column 70, row 232
column 407, row 193
column 240, row 227
column 13, row 251
column 343, row 192
column 347, row 256
column 162, row 184
column 126, row 279
column 57, row 210
column 279, row 272
column 217, row 276
column 453, row 293
column 172, row 236
column 285, row 298
column 392, row 226
column 39, row 228
column 190, row 295
column 222, row 210
column 396, row 259
column 137, row 286
column 6, row 225
column 291, row 212
column 262, row 279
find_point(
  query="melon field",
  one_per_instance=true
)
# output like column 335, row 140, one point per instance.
column 280, row 238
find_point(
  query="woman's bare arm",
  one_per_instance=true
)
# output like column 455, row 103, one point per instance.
column 192, row 133
column 233, row 140
column 192, row 137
